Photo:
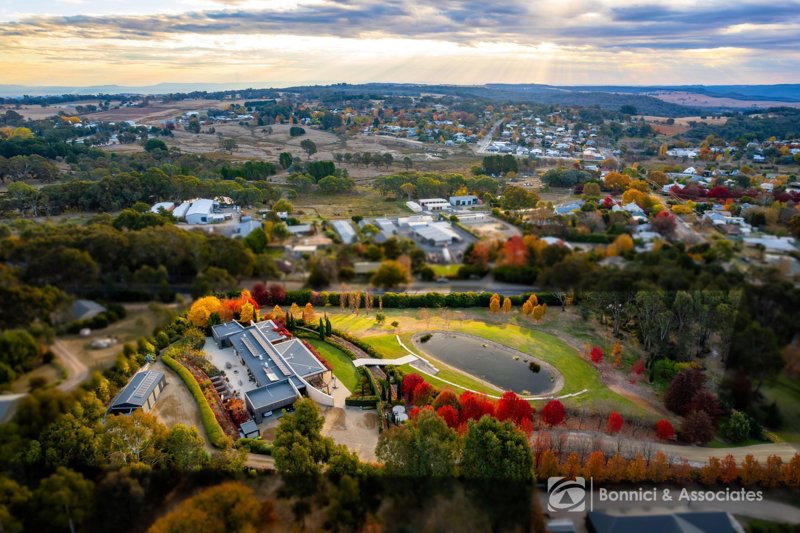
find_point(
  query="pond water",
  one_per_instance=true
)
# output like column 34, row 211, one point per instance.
column 489, row 362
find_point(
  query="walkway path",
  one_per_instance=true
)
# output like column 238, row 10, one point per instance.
column 385, row 362
column 424, row 366
column 696, row 455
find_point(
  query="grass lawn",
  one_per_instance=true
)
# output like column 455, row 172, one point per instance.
column 445, row 270
column 525, row 337
column 343, row 367
column 785, row 391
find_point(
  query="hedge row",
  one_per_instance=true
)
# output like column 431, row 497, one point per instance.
column 357, row 342
column 258, row 446
column 213, row 429
column 596, row 238
column 393, row 300
column 362, row 401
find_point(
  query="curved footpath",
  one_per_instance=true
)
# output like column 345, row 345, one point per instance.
column 425, row 369
column 77, row 373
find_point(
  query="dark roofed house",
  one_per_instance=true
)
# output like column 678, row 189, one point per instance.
column 697, row 522
column 141, row 392
column 85, row 309
column 249, row 430
column 222, row 332
column 279, row 367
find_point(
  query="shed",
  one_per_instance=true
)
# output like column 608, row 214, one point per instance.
column 141, row 392
column 249, row 429
column 200, row 211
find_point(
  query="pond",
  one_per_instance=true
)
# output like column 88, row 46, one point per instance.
column 499, row 365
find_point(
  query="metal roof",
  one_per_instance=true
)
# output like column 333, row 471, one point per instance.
column 138, row 389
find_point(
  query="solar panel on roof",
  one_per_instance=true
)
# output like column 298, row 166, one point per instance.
column 141, row 389
column 277, row 360
column 249, row 346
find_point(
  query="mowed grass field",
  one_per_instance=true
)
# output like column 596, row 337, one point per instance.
column 343, row 367
column 578, row 373
column 785, row 392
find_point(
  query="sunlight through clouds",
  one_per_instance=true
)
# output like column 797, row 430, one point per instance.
column 461, row 41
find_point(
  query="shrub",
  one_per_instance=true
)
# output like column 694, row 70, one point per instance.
column 737, row 427
column 212, row 427
column 255, row 446
column 425, row 338
column 534, row 367
column 553, row 413
column 664, row 429
column 697, row 428
column 615, row 422
column 361, row 401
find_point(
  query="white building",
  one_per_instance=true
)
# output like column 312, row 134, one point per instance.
column 180, row 211
column 345, row 231
column 433, row 204
column 468, row 199
column 436, row 234
column 201, row 212
column 414, row 206
column 472, row 218
column 162, row 206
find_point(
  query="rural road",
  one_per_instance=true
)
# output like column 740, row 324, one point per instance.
column 77, row 373
column 260, row 462
column 694, row 454
column 483, row 144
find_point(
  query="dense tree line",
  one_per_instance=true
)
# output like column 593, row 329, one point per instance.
column 430, row 185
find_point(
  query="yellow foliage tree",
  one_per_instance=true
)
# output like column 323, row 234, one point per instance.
column 506, row 304
column 616, row 468
column 247, row 314
column 494, row 303
column 595, row 466
column 202, row 309
column 308, row 314
column 637, row 469
column 277, row 312
column 616, row 181
column 616, row 353
column 621, row 245
column 294, row 310
column 658, row 470
column 527, row 308
column 538, row 312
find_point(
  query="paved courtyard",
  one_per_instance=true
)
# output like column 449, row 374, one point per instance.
column 234, row 370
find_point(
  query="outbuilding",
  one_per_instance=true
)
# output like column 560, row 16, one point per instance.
column 141, row 392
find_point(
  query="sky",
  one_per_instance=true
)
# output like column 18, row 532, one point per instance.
column 273, row 43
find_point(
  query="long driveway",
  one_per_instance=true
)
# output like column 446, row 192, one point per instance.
column 77, row 373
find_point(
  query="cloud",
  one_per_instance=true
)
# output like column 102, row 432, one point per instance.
column 462, row 21
column 401, row 33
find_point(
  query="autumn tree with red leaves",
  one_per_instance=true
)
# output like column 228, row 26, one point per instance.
column 553, row 413
column 449, row 415
column 515, row 253
column 410, row 382
column 512, row 407
column 664, row 430
column 474, row 406
column 422, row 394
column 446, row 397
column 615, row 422
column 596, row 355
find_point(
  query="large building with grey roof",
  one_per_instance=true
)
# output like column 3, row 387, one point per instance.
column 282, row 368
column 141, row 392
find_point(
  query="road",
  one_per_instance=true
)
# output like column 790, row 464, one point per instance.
column 696, row 455
column 260, row 462
column 483, row 144
column 77, row 373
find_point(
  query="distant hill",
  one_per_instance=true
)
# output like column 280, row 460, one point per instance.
column 648, row 100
